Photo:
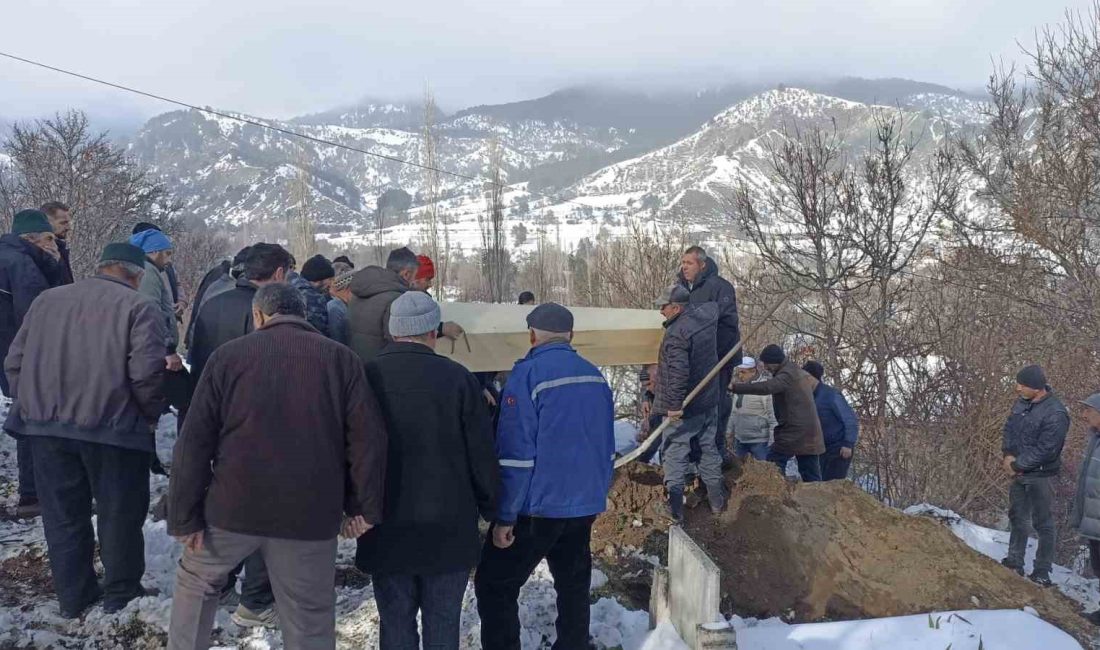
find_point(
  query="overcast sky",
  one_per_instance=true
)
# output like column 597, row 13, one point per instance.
column 279, row 58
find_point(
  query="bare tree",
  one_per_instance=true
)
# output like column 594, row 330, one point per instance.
column 496, row 259
column 440, row 250
column 302, row 240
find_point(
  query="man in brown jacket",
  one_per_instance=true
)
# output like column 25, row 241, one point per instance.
column 798, row 434
column 282, row 437
column 86, row 372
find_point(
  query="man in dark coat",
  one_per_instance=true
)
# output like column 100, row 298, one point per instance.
column 686, row 355
column 283, row 437
column 1032, row 444
column 222, row 319
column 88, row 398
column 699, row 275
column 373, row 290
column 798, row 434
column 29, row 264
column 313, row 283
column 441, row 472
column 218, row 280
column 62, row 221
column 839, row 425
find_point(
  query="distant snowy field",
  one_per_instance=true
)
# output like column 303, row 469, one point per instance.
column 37, row 624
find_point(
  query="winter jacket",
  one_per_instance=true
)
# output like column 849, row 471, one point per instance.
column 373, row 290
column 1034, row 433
column 222, row 319
column 799, row 431
column 555, row 439
column 687, row 354
column 65, row 266
column 839, row 424
column 219, row 275
column 1085, row 514
column 710, row 287
column 154, row 287
column 753, row 417
column 88, row 365
column 282, row 437
column 441, row 468
column 25, row 272
column 316, row 303
column 337, row 320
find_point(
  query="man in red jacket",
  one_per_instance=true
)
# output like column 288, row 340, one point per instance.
column 267, row 464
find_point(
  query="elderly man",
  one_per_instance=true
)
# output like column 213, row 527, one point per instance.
column 61, row 220
column 555, row 442
column 441, row 473
column 29, row 264
column 252, row 443
column 753, row 419
column 337, row 308
column 699, row 275
column 798, row 434
column 95, row 441
column 839, row 425
column 686, row 355
column 158, row 256
column 1085, row 513
column 1032, row 444
column 313, row 283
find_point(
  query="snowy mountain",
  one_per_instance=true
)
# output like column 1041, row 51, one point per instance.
column 571, row 173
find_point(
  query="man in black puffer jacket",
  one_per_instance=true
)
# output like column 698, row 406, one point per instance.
column 29, row 264
column 1033, row 438
column 687, row 354
column 699, row 275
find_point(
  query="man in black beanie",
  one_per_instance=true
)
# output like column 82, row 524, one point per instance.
column 798, row 434
column 313, row 284
column 1032, row 445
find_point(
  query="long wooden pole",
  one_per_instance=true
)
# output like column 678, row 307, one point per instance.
column 623, row 460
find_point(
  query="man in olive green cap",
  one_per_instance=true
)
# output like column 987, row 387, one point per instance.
column 29, row 264
column 86, row 371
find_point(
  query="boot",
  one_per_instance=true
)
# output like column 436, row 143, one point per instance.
column 28, row 508
column 676, row 504
column 717, row 498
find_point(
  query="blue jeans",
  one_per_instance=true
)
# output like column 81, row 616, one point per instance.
column 809, row 467
column 758, row 450
column 437, row 597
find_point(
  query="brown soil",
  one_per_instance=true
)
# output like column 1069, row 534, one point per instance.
column 827, row 551
column 24, row 579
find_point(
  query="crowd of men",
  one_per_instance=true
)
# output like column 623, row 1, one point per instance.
column 314, row 405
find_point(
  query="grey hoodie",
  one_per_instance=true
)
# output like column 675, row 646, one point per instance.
column 373, row 291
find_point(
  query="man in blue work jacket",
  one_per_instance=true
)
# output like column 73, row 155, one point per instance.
column 839, row 425
column 555, row 443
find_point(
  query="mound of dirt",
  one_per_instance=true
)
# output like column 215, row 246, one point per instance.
column 828, row 551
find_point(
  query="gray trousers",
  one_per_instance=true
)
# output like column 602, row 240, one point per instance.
column 677, row 448
column 1029, row 502
column 303, row 575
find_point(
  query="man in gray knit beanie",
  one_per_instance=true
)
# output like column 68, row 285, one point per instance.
column 413, row 314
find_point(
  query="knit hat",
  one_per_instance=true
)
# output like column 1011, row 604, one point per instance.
column 550, row 317
column 142, row 226
column 1032, row 377
column 317, row 268
column 151, row 241
column 773, row 354
column 674, row 295
column 27, row 222
column 815, row 369
column 426, row 270
column 343, row 281
column 123, row 252
column 747, row 363
column 412, row 314
column 1092, row 401
column 345, row 260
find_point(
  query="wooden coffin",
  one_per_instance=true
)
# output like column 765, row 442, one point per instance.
column 496, row 335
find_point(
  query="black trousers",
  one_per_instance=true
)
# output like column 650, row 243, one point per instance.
column 833, row 466
column 69, row 474
column 256, row 592
column 564, row 544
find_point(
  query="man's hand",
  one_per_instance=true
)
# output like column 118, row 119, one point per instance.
column 647, row 408
column 1008, row 465
column 502, row 536
column 181, row 307
column 355, row 527
column 173, row 362
column 192, row 542
column 845, row 452
column 452, row 330
column 489, row 397
column 675, row 415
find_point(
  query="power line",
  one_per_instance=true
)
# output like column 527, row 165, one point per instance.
column 277, row 129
